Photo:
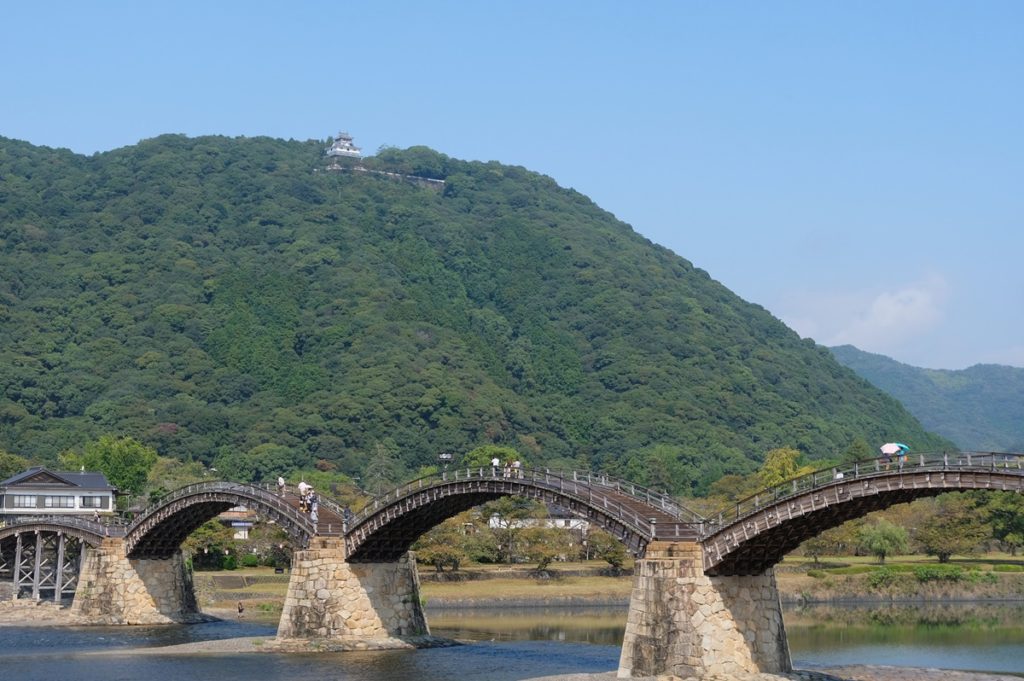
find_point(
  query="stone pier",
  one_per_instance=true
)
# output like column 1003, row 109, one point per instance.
column 685, row 623
column 113, row 589
column 330, row 598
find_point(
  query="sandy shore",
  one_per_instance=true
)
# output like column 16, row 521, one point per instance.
column 234, row 646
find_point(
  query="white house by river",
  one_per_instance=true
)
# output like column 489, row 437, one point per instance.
column 39, row 491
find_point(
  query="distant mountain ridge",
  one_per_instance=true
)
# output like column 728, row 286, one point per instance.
column 230, row 301
column 979, row 408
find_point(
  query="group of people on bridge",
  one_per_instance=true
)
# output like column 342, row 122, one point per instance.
column 309, row 502
column 513, row 468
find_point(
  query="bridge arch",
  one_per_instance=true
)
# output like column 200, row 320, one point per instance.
column 763, row 528
column 384, row 530
column 87, row 531
column 160, row 531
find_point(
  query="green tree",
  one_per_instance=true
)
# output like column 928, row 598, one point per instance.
column 661, row 467
column 542, row 545
column 261, row 463
column 1005, row 513
column 442, row 546
column 125, row 461
column 209, row 544
column 607, row 548
column 882, row 539
column 382, row 471
column 859, row 450
column 11, row 464
column 170, row 474
column 780, row 465
column 480, row 457
column 815, row 548
column 955, row 527
column 837, row 541
column 507, row 518
column 732, row 488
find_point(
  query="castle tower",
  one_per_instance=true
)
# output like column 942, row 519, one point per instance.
column 342, row 147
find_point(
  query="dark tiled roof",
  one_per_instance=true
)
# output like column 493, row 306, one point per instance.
column 84, row 479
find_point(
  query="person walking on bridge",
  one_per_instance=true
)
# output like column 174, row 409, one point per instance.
column 897, row 449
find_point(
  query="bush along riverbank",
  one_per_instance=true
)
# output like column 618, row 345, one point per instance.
column 900, row 582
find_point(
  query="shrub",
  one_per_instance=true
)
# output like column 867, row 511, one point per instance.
column 939, row 573
column 250, row 560
column 977, row 577
column 885, row 577
column 817, row 574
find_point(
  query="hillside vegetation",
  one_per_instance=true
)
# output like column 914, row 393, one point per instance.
column 220, row 301
column 979, row 408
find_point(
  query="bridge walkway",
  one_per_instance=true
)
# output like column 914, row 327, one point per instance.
column 330, row 515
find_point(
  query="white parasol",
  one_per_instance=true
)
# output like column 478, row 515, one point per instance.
column 890, row 448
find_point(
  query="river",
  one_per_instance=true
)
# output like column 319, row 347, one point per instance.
column 512, row 644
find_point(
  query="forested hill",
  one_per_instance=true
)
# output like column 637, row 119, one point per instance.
column 979, row 408
column 219, row 300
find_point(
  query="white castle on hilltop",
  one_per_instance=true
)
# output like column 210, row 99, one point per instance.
column 344, row 147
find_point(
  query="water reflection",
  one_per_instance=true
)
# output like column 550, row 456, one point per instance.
column 978, row 636
column 517, row 643
column 975, row 636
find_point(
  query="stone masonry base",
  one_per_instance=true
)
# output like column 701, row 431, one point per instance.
column 685, row 623
column 330, row 598
column 113, row 589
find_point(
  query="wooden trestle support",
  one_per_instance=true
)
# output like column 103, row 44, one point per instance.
column 42, row 565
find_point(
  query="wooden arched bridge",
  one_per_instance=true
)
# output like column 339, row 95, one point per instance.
column 747, row 538
column 41, row 555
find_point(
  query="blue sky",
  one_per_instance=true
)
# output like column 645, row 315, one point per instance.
column 856, row 168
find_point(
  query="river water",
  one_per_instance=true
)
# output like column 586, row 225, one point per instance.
column 515, row 643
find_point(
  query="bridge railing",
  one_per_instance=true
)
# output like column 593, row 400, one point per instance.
column 213, row 486
column 659, row 500
column 583, row 488
column 115, row 528
column 861, row 470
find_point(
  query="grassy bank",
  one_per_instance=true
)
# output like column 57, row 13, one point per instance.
column 835, row 580
column 261, row 590
column 857, row 578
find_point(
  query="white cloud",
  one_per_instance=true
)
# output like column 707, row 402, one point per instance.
column 876, row 320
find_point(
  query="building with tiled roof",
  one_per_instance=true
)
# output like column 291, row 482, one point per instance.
column 39, row 491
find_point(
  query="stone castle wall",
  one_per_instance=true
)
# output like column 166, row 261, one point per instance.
column 685, row 623
column 330, row 598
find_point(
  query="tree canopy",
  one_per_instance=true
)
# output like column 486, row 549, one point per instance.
column 125, row 461
column 219, row 301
